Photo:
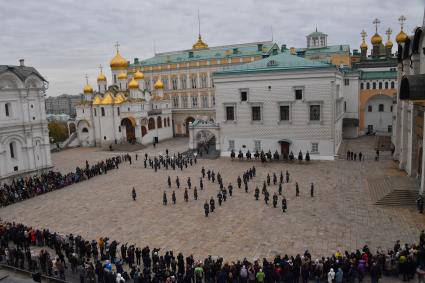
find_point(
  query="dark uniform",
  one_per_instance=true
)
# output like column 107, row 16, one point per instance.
column 312, row 190
column 173, row 197
column 212, row 204
column 284, row 205
column 206, row 208
column 195, row 193
column 219, row 197
column 274, row 200
column 178, row 182
column 133, row 194
column 246, row 187
column 201, row 184
column 266, row 197
column 297, row 190
column 287, row 176
column 164, row 199
column 274, row 179
column 189, row 183
column 186, row 195
column 169, row 182
column 230, row 187
column 239, row 182
column 268, row 179
column 280, row 189
column 257, row 193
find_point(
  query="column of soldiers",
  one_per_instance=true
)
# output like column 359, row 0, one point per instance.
column 180, row 161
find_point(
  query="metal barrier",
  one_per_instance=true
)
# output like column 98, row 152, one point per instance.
column 29, row 273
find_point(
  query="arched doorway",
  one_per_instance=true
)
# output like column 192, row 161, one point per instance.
column 144, row 131
column 129, row 125
column 159, row 122
column 188, row 120
column 284, row 148
column 151, row 124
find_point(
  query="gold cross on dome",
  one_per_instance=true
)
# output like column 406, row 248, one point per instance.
column 376, row 22
column 117, row 45
column 87, row 78
column 402, row 19
column 363, row 34
column 389, row 32
column 101, row 68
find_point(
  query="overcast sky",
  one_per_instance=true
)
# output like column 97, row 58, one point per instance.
column 65, row 39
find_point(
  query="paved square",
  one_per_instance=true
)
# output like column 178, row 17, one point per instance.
column 340, row 216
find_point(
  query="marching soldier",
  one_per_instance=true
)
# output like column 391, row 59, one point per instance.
column 312, row 190
column 186, row 195
column 239, row 182
column 274, row 200
column 195, row 193
column 219, row 197
column 173, row 197
column 266, row 197
column 169, row 182
column 246, row 187
column 268, row 179
column 164, row 199
column 133, row 193
column 178, row 182
column 257, row 193
column 287, row 176
column 189, row 183
column 203, row 172
column 201, row 184
column 297, row 190
column 284, row 207
column 212, row 204
column 281, row 177
column 280, row 189
column 274, row 179
column 224, row 192
column 230, row 187
column 206, row 208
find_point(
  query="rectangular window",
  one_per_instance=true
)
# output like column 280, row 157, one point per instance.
column 165, row 82
column 12, row 150
column 118, row 111
column 203, row 81
column 183, row 82
column 174, row 83
column 184, row 102
column 230, row 113
column 95, row 112
column 314, row 112
column 176, row 101
column 194, row 101
column 102, row 110
column 346, row 81
column 381, row 107
column 369, row 108
column 244, row 94
column 298, row 94
column 193, row 81
column 256, row 113
column 6, row 109
column 314, row 147
column 231, row 145
column 284, row 113
column 204, row 101
column 257, row 145
column 390, row 128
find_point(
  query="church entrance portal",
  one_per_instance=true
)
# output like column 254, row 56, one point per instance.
column 129, row 130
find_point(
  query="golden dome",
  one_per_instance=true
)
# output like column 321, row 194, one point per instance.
column 401, row 37
column 389, row 44
column 119, row 98
column 159, row 84
column 118, row 62
column 376, row 39
column 107, row 99
column 138, row 75
column 363, row 45
column 122, row 76
column 133, row 84
column 88, row 89
column 101, row 77
column 97, row 100
column 200, row 44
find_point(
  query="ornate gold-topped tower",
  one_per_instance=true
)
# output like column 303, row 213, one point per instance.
column 401, row 36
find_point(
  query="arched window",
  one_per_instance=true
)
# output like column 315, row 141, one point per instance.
column 392, row 85
column 7, row 109
column 380, row 85
column 165, row 122
column 159, row 122
column 85, row 130
column 12, row 150
column 168, row 121
column 374, row 85
column 367, row 85
column 361, row 85
column 151, row 124
column 386, row 85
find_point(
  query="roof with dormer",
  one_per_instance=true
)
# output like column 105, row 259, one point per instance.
column 217, row 52
column 22, row 72
column 280, row 62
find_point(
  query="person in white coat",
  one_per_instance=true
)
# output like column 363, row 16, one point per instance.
column 331, row 275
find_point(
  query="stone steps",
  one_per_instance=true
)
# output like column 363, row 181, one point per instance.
column 393, row 190
column 399, row 198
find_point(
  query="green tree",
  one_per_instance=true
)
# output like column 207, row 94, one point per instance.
column 58, row 131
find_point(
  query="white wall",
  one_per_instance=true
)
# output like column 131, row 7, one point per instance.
column 379, row 120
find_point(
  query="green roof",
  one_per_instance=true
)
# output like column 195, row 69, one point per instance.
column 316, row 33
column 375, row 75
column 280, row 62
column 218, row 52
column 343, row 48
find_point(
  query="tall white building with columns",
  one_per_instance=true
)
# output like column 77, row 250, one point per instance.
column 24, row 136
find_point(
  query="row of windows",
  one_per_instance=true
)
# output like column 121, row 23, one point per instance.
column 203, row 82
column 257, row 146
column 381, row 108
column 193, row 101
column 284, row 113
column 298, row 94
column 380, row 85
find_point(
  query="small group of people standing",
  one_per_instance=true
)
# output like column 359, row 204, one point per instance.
column 353, row 156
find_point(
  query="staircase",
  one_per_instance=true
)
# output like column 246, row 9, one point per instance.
column 69, row 140
column 393, row 190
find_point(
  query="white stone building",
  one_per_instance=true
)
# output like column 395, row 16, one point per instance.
column 284, row 103
column 123, row 112
column 408, row 134
column 24, row 136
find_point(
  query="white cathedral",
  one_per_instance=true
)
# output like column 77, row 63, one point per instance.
column 24, row 136
column 124, row 111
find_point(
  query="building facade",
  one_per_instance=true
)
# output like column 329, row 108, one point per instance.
column 63, row 104
column 282, row 103
column 24, row 136
column 123, row 112
column 187, row 76
column 409, row 127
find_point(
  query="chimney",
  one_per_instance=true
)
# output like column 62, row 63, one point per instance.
column 21, row 62
column 283, row 49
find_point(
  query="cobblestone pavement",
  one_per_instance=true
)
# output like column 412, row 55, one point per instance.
column 340, row 216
